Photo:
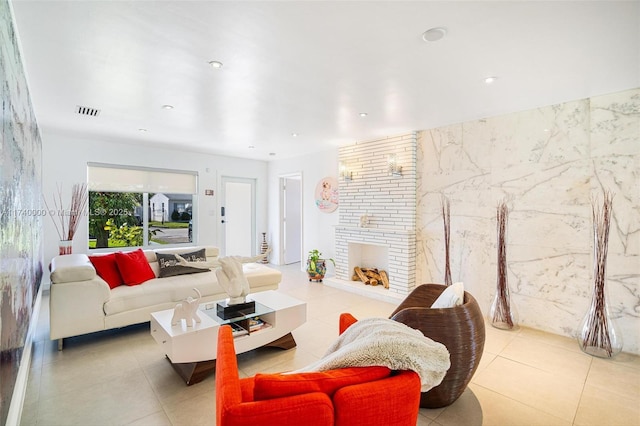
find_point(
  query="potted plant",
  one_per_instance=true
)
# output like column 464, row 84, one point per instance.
column 316, row 266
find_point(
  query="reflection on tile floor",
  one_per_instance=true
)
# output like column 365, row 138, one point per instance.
column 526, row 377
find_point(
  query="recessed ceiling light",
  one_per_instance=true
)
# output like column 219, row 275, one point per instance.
column 434, row 34
column 272, row 154
column 215, row 64
column 295, row 135
column 490, row 80
column 142, row 130
column 252, row 146
column 363, row 114
column 167, row 106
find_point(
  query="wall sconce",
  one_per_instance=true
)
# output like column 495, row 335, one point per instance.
column 394, row 169
column 344, row 173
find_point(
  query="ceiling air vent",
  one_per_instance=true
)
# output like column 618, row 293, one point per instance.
column 82, row 110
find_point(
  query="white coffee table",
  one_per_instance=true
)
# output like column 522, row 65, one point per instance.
column 192, row 350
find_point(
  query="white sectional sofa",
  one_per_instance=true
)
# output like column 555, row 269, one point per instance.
column 82, row 302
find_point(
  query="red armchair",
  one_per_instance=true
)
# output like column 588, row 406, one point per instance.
column 366, row 396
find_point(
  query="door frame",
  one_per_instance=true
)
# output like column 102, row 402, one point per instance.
column 223, row 196
column 281, row 208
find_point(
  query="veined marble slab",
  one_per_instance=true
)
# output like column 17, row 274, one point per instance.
column 548, row 163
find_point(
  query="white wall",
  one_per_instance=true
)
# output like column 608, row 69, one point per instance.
column 65, row 161
column 317, row 226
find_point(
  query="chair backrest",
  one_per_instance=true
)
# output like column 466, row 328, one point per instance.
column 460, row 329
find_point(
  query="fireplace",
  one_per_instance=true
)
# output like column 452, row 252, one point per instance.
column 377, row 216
column 368, row 256
column 388, row 249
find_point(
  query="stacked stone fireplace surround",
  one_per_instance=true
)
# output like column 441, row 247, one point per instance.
column 389, row 204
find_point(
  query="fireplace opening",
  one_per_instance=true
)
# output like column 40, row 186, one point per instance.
column 368, row 256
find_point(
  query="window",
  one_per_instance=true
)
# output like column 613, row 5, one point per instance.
column 139, row 207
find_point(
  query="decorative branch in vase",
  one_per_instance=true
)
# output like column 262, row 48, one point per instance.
column 446, row 218
column 66, row 221
column 502, row 313
column 599, row 334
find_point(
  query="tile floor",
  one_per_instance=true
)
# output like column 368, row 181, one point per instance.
column 526, row 377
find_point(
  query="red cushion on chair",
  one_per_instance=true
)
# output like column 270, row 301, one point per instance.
column 107, row 269
column 269, row 386
column 133, row 267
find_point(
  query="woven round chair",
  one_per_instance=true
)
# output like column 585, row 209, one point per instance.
column 460, row 329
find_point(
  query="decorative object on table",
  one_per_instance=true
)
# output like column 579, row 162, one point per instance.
column 231, row 278
column 187, row 310
column 503, row 313
column 66, row 221
column 225, row 310
column 446, row 218
column 599, row 334
column 264, row 248
column 326, row 194
column 316, row 266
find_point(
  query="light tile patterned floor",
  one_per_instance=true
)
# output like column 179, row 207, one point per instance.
column 526, row 377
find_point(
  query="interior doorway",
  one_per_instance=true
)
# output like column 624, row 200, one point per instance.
column 291, row 218
column 238, row 216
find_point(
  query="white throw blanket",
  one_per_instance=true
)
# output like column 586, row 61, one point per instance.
column 381, row 341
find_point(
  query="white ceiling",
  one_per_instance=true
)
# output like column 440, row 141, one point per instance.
column 311, row 67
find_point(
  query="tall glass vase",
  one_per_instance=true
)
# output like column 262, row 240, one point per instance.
column 446, row 218
column 503, row 313
column 599, row 334
column 65, row 247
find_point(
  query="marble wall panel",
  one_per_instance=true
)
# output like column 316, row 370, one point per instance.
column 551, row 135
column 548, row 163
column 620, row 175
column 614, row 124
column 448, row 150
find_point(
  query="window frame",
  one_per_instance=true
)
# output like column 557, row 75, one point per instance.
column 184, row 174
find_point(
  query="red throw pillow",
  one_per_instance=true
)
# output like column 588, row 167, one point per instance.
column 107, row 269
column 269, row 386
column 133, row 267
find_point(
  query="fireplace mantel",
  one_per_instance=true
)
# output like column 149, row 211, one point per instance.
column 376, row 230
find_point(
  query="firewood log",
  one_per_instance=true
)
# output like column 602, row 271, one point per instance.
column 360, row 274
column 384, row 278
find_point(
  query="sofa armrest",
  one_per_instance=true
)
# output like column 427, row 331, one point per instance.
column 72, row 267
column 77, row 307
column 77, row 298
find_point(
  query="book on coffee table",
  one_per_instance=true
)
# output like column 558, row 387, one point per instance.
column 237, row 330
